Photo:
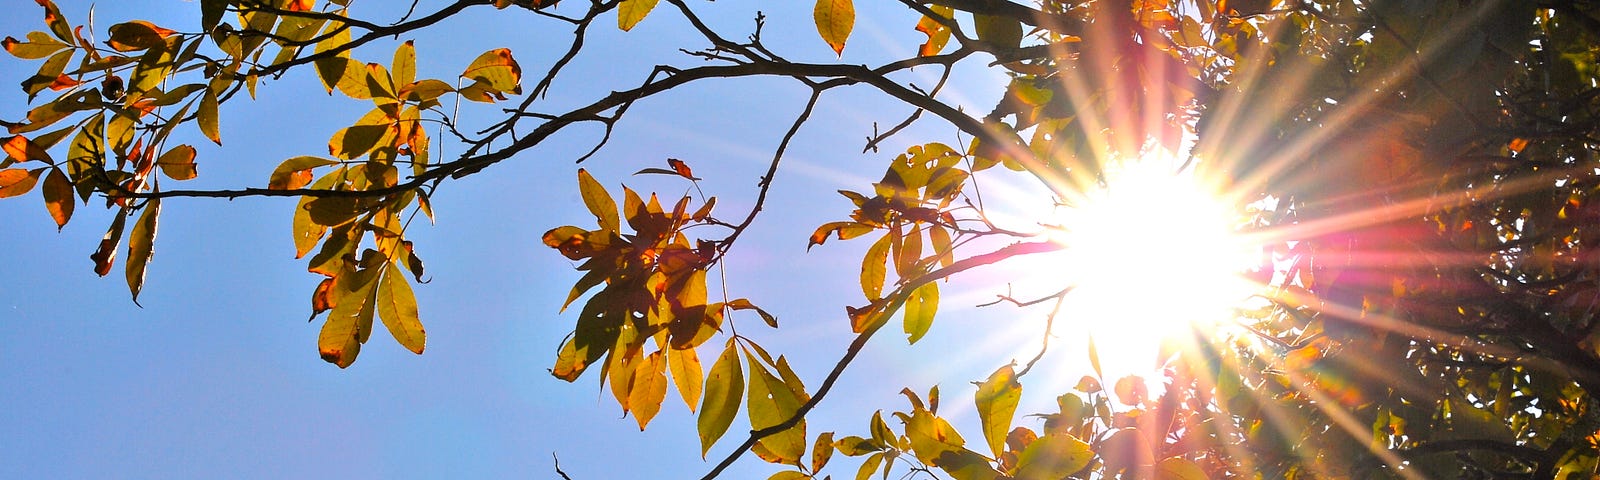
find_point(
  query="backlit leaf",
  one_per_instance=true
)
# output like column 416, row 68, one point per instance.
column 16, row 181
column 405, row 64
column 350, row 321
column 1002, row 31
column 649, row 387
column 1179, row 468
column 835, row 19
column 141, row 245
column 770, row 403
column 853, row 446
column 397, row 307
column 178, row 163
column 681, row 168
column 997, row 402
column 39, row 45
column 137, row 35
column 630, row 12
column 497, row 69
column 599, row 202
column 58, row 197
column 789, row 475
column 744, row 304
column 938, row 35
column 724, row 389
column 369, row 132
column 425, row 90
column 821, row 451
column 21, row 149
column 874, row 268
column 295, row 172
column 207, row 117
column 106, row 255
column 920, row 308
column 1052, row 457
column 211, row 13
column 687, row 374
column 307, row 232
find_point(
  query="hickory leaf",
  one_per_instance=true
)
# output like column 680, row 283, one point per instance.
column 630, row 12
column 599, row 202
column 724, row 388
column 997, row 400
column 397, row 306
column 835, row 19
column 141, row 245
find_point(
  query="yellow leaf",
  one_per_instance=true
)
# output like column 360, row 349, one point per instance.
column 58, row 197
column 599, row 202
column 630, row 12
column 649, row 388
column 16, row 181
column 821, row 451
column 997, row 402
column 834, row 20
column 497, row 70
column 141, row 245
column 350, row 321
column 295, row 172
column 687, row 374
column 770, row 402
column 920, row 308
column 938, row 35
column 1052, row 456
column 1004, row 32
column 724, row 388
column 397, row 306
column 374, row 129
column 137, row 35
column 207, row 117
column 178, row 163
column 1178, row 468
column 39, row 45
column 405, row 64
column 874, row 268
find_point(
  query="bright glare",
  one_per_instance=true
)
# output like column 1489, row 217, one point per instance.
column 1153, row 256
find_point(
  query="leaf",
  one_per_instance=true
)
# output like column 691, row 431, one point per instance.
column 599, row 202
column 1179, row 468
column 58, row 197
column 39, row 45
column 21, row 149
column 938, row 35
column 404, row 69
column 211, row 13
column 649, row 388
column 630, row 12
column 724, row 388
column 870, row 466
column 687, row 374
column 853, row 446
column 106, row 256
column 835, row 19
column 920, row 308
column 397, row 306
column 295, row 172
column 141, row 245
column 770, row 403
column 1003, row 32
column 744, row 304
column 137, row 35
column 368, row 133
column 681, row 168
column 874, row 268
column 1131, row 390
column 497, row 70
column 207, row 117
column 178, row 163
column 350, row 321
column 821, row 451
column 307, row 232
column 789, row 475
column 425, row 90
column 17, row 181
column 1052, row 457
column 997, row 404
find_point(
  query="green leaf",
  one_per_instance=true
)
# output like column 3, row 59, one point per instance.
column 835, row 19
column 397, row 306
column 770, row 403
column 1052, row 457
column 630, row 12
column 295, row 172
column 141, row 245
column 920, row 308
column 724, row 388
column 997, row 403
column 39, row 45
column 599, row 202
column 687, row 374
column 1004, row 32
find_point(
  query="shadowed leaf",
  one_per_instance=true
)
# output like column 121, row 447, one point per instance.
column 16, row 181
column 58, row 197
column 397, row 307
column 141, row 246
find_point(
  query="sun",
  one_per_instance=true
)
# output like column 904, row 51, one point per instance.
column 1154, row 254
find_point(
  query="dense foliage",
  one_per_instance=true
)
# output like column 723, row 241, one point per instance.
column 1423, row 172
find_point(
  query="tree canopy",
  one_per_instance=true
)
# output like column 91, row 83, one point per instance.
column 1414, row 178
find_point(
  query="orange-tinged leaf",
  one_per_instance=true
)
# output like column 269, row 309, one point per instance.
column 649, row 387
column 821, row 451
column 687, row 374
column 350, row 321
column 178, row 163
column 322, row 297
column 497, row 69
column 22, row 149
column 39, row 45
column 141, row 246
column 397, row 306
column 300, row 5
column 404, row 69
column 630, row 12
column 425, row 90
column 295, row 172
column 938, row 35
column 997, row 404
column 16, row 181
column 744, row 304
column 724, row 388
column 58, row 197
column 835, row 19
column 105, row 256
column 1131, row 390
column 137, row 35
column 599, row 202
column 681, row 168
column 373, row 130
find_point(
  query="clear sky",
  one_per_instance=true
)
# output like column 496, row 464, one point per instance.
column 218, row 374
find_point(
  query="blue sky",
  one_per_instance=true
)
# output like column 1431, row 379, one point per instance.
column 218, row 376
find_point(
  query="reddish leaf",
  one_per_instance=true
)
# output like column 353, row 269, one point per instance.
column 105, row 256
column 22, row 149
column 682, row 169
column 16, row 181
column 58, row 197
